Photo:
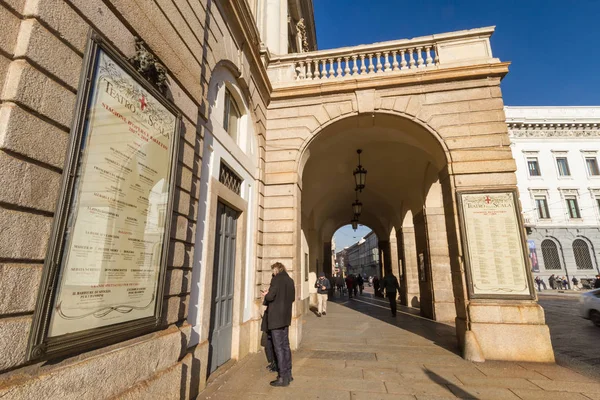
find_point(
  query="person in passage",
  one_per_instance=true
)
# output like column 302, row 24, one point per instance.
column 322, row 285
column 359, row 283
column 391, row 287
column 575, row 283
column 280, row 297
column 597, row 282
column 350, row 285
column 339, row 282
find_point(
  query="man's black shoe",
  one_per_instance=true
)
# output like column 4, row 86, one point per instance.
column 318, row 314
column 280, row 382
column 324, row 313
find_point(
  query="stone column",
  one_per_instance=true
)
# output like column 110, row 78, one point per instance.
column 424, row 272
column 410, row 268
column 394, row 256
column 385, row 259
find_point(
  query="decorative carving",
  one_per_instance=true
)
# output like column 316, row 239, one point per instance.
column 301, row 27
column 547, row 133
column 230, row 179
column 148, row 66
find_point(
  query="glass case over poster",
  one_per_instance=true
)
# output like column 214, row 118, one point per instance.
column 105, row 268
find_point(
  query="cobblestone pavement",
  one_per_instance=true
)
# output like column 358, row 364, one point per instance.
column 575, row 340
column 359, row 351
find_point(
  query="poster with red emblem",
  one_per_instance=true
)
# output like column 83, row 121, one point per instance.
column 113, row 242
column 494, row 246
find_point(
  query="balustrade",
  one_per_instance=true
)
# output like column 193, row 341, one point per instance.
column 469, row 47
column 365, row 63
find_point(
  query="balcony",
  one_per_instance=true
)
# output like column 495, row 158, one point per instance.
column 421, row 55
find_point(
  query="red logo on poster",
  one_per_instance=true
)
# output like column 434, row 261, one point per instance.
column 143, row 102
column 488, row 200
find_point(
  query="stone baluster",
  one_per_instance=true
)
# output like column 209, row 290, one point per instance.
column 317, row 74
column 302, row 70
column 387, row 65
column 363, row 67
column 330, row 75
column 297, row 70
column 429, row 60
column 411, row 60
column 395, row 60
column 379, row 65
column 403, row 59
column 420, row 57
column 354, row 66
column 371, row 67
column 347, row 68
column 309, row 74
column 339, row 67
column 436, row 60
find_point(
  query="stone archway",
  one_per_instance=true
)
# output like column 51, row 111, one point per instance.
column 426, row 142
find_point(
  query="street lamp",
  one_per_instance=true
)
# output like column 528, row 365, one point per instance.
column 360, row 174
column 354, row 222
column 357, row 206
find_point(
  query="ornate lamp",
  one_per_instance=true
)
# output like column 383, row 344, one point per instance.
column 354, row 222
column 357, row 206
column 360, row 174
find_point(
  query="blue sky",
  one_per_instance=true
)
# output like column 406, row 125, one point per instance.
column 553, row 45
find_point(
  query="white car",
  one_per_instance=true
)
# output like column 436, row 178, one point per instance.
column 589, row 306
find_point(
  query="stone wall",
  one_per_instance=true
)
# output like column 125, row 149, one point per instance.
column 41, row 50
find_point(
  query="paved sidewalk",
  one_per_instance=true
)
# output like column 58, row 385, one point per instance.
column 358, row 351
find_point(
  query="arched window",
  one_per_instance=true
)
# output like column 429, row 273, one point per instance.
column 550, row 255
column 231, row 116
column 583, row 260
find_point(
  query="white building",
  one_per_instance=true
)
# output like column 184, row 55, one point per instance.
column 556, row 150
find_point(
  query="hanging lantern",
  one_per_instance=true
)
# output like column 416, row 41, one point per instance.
column 355, row 222
column 360, row 174
column 357, row 206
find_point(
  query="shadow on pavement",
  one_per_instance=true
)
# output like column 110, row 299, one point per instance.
column 457, row 390
column 407, row 319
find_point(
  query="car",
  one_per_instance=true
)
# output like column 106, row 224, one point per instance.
column 589, row 306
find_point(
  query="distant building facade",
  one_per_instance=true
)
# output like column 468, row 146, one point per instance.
column 362, row 257
column 556, row 150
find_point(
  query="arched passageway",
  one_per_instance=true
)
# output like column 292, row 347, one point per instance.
column 402, row 202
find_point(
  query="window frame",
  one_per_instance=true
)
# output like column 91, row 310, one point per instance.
column 529, row 158
column 569, row 209
column 564, row 158
column 228, row 101
column 546, row 209
column 594, row 158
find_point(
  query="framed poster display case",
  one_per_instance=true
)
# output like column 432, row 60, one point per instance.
column 105, row 267
column 493, row 240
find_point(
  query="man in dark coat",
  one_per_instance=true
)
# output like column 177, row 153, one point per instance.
column 391, row 286
column 280, row 297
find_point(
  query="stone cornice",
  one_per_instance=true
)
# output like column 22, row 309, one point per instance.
column 316, row 88
column 553, row 131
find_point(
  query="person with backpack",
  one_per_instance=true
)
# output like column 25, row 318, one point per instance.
column 322, row 285
column 392, row 287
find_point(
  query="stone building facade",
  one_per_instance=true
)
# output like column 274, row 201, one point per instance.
column 428, row 113
column 556, row 151
column 363, row 256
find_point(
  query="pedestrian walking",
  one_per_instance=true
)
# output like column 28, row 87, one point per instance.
column 279, row 299
column 565, row 283
column 376, row 289
column 391, row 287
column 322, row 285
column 552, row 281
column 575, row 283
column 339, row 283
column 350, row 285
column 360, row 283
column 597, row 282
column 538, row 282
